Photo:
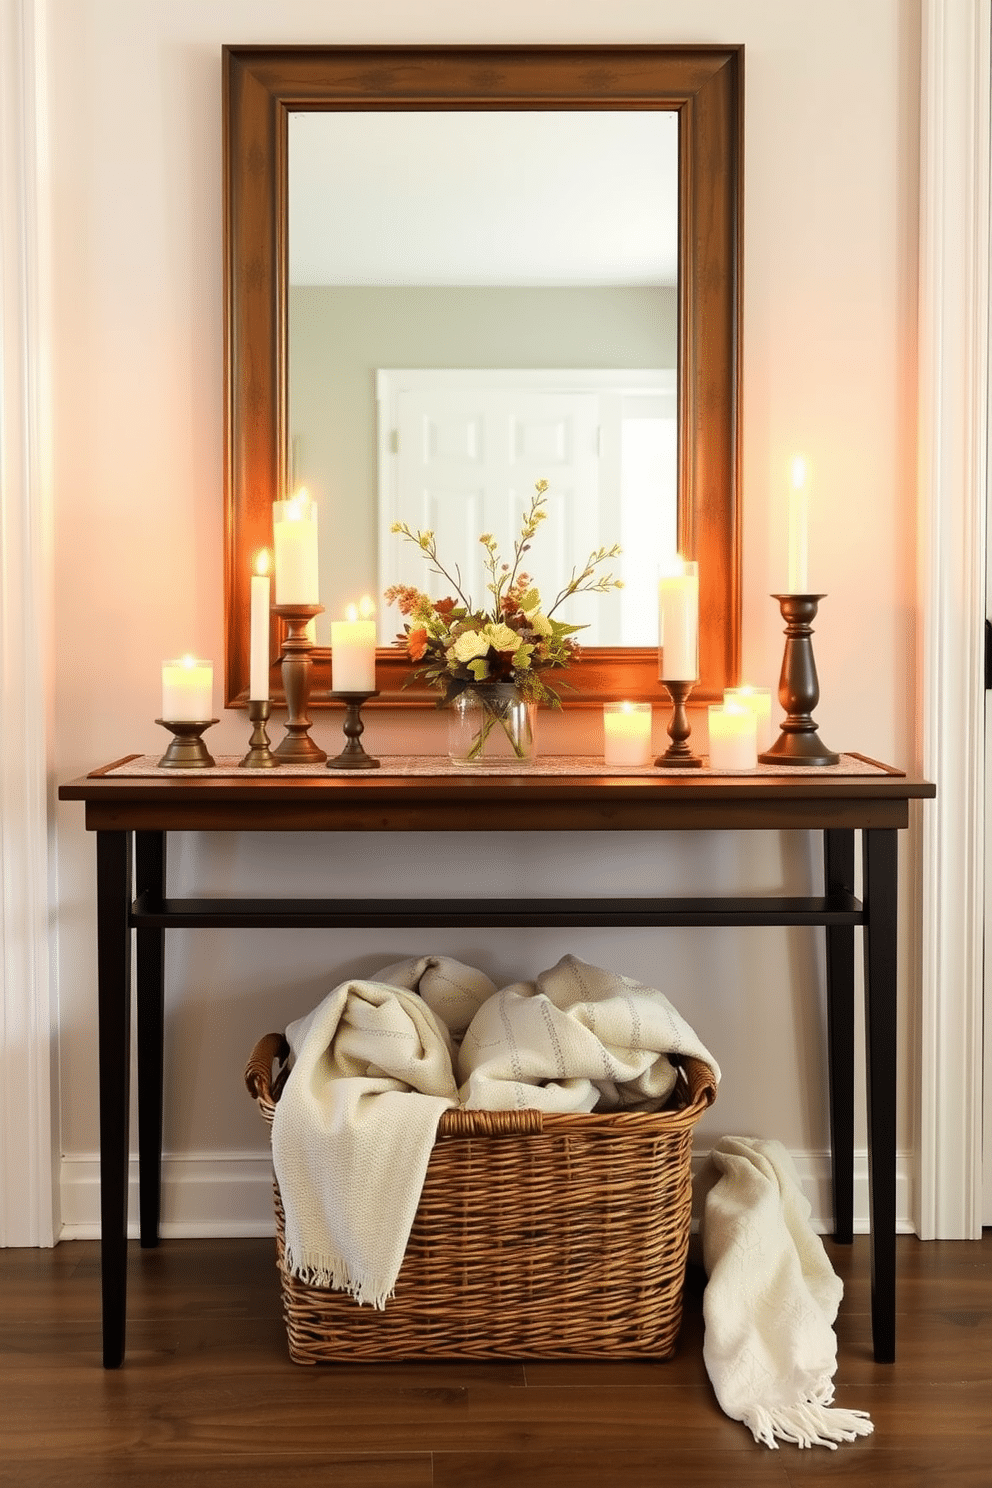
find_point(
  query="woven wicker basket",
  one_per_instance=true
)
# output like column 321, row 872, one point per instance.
column 536, row 1236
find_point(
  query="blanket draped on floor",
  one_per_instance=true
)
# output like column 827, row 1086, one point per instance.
column 378, row 1062
column 770, row 1301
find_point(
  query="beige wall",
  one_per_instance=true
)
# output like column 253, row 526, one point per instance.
column 829, row 357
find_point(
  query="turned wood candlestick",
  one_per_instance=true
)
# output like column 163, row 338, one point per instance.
column 798, row 688
column 678, row 754
column 297, row 747
column 187, row 750
column 259, row 756
column 353, row 755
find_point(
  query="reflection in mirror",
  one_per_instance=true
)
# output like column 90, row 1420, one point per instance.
column 478, row 300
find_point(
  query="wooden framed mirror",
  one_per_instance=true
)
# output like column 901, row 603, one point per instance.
column 264, row 86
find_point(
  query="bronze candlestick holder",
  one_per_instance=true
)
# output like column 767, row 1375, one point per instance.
column 353, row 755
column 259, row 756
column 297, row 747
column 678, row 754
column 187, row 750
column 798, row 688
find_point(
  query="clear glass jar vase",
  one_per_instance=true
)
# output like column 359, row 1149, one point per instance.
column 493, row 724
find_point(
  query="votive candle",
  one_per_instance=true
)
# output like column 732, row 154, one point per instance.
column 294, row 533
column 261, row 584
column 187, row 690
column 627, row 733
column 733, row 738
column 798, row 529
column 353, row 649
column 678, row 622
column 759, row 700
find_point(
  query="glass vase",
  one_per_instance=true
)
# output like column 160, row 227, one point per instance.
column 492, row 725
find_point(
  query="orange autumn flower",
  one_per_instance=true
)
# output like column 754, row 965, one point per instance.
column 417, row 643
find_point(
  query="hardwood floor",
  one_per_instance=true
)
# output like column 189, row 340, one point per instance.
column 207, row 1393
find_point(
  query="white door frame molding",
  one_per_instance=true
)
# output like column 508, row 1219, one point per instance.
column 28, row 1020
column 953, row 468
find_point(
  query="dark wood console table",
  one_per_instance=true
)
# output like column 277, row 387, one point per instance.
column 132, row 813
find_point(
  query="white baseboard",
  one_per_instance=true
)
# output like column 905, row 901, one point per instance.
column 222, row 1194
column 208, row 1194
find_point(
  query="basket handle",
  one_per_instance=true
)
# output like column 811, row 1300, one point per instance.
column 258, row 1071
column 457, row 1122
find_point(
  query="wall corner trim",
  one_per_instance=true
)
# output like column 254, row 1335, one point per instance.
column 953, row 472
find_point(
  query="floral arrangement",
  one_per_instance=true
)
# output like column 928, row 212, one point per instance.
column 516, row 639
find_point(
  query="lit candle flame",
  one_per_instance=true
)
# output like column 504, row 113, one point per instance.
column 296, row 506
column 798, row 473
column 263, row 562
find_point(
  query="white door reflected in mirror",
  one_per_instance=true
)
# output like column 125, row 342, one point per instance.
column 460, row 453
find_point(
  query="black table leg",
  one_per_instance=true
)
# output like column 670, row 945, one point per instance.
column 113, row 858
column 149, row 867
column 880, row 894
column 838, row 874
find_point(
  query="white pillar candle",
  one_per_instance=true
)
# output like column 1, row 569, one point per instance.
column 353, row 650
column 798, row 529
column 294, row 533
column 258, row 677
column 627, row 733
column 187, row 690
column 759, row 700
column 678, row 622
column 733, row 734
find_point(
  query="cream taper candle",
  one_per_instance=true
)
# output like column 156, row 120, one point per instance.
column 798, row 529
column 261, row 585
column 678, row 622
column 294, row 533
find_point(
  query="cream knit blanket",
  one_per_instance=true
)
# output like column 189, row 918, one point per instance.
column 579, row 1038
column 770, row 1301
column 354, row 1127
column 373, row 1068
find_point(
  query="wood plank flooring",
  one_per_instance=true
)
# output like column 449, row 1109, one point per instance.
column 207, row 1393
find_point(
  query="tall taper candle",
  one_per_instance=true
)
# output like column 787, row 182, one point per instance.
column 258, row 679
column 294, row 531
column 798, row 529
column 678, row 622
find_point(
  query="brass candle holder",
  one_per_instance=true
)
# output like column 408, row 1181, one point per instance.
column 259, row 756
column 297, row 747
column 187, row 750
column 353, row 755
column 798, row 688
column 678, row 754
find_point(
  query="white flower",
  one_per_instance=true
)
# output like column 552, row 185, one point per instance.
column 502, row 638
column 469, row 644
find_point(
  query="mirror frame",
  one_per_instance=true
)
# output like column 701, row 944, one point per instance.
column 263, row 84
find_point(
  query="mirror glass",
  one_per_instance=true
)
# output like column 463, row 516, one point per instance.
column 530, row 189
column 478, row 300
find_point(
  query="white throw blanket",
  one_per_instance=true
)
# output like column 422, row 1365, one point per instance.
column 353, row 1131
column 577, row 1038
column 770, row 1300
column 372, row 1072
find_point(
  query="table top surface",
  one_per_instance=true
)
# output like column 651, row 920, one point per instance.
column 426, row 793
